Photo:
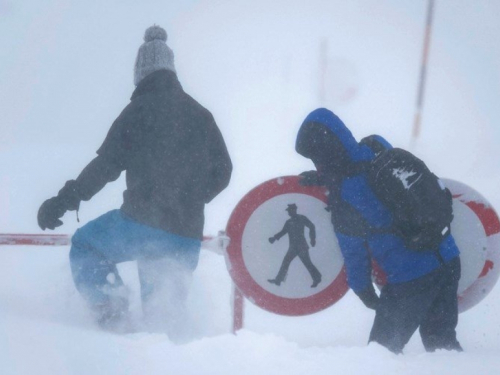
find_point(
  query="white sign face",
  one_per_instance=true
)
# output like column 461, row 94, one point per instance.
column 284, row 267
column 283, row 254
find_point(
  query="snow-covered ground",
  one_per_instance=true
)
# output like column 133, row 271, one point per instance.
column 66, row 73
column 45, row 329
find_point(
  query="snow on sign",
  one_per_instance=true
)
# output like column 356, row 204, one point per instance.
column 283, row 255
column 476, row 229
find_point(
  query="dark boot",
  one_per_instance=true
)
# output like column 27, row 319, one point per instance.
column 451, row 345
column 113, row 315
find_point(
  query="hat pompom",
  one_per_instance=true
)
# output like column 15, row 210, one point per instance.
column 155, row 32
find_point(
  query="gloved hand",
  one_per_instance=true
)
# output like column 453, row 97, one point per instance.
column 70, row 196
column 50, row 212
column 369, row 297
column 68, row 199
column 313, row 242
column 311, row 178
column 272, row 239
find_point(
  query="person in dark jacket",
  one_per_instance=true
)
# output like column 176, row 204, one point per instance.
column 421, row 289
column 176, row 161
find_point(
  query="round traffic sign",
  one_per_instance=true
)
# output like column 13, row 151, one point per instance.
column 476, row 229
column 283, row 255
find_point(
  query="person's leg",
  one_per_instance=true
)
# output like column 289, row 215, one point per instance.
column 438, row 328
column 401, row 309
column 165, row 287
column 96, row 249
column 313, row 271
column 165, row 284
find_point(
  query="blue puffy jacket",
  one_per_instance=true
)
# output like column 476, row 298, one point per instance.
column 358, row 216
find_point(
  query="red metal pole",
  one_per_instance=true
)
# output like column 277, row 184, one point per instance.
column 423, row 73
column 238, row 302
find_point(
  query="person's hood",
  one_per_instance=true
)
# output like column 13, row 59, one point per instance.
column 376, row 143
column 322, row 124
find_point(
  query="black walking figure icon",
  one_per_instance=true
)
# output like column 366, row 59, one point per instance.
column 298, row 245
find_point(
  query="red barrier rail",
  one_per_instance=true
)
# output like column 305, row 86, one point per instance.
column 35, row 239
column 65, row 239
column 216, row 244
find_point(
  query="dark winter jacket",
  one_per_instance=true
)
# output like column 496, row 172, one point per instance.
column 359, row 218
column 173, row 153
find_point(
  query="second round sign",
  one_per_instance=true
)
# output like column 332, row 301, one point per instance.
column 283, row 255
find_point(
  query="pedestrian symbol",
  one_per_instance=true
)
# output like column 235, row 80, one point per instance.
column 298, row 246
column 283, row 254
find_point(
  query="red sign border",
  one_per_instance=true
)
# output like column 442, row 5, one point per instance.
column 237, row 268
column 490, row 221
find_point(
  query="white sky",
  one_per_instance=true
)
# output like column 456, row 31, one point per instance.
column 66, row 73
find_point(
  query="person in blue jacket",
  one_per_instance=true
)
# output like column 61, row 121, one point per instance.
column 421, row 289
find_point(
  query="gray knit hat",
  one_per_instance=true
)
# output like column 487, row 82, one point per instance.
column 153, row 55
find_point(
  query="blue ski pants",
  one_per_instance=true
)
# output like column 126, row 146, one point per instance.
column 113, row 238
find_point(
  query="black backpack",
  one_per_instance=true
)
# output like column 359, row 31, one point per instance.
column 421, row 205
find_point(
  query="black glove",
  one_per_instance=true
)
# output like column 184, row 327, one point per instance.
column 369, row 297
column 68, row 199
column 70, row 196
column 311, row 178
column 50, row 212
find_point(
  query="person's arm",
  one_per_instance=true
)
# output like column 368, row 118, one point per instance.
column 369, row 297
column 96, row 175
column 91, row 180
column 358, row 267
column 312, row 178
column 112, row 159
column 220, row 165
